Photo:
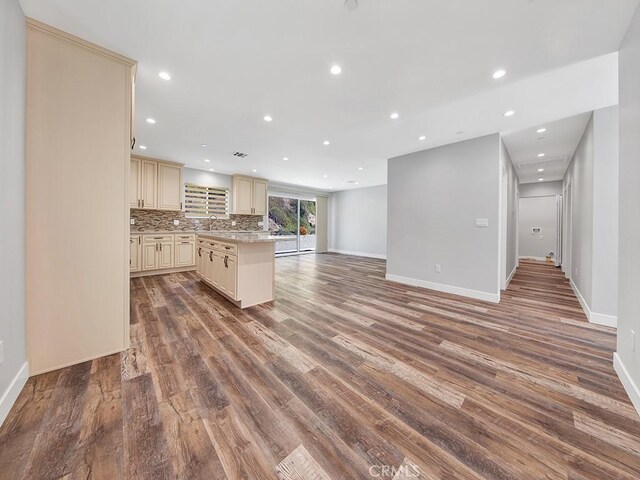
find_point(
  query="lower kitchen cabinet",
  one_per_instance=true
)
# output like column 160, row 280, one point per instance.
column 243, row 272
column 134, row 253
column 162, row 253
column 185, row 254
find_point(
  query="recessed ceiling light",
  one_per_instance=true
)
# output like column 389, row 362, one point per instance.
column 541, row 170
column 422, row 137
column 541, row 130
column 540, row 155
column 254, row 170
column 326, row 142
column 285, row 158
column 541, row 179
column 360, row 168
column 164, row 76
column 336, row 69
column 203, row 144
column 206, row 160
column 499, row 74
column 211, row 169
column 142, row 147
column 267, row 118
column 509, row 113
column 151, row 120
column 326, row 176
column 356, row 183
column 394, row 116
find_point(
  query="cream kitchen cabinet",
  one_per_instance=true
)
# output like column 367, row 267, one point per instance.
column 249, row 195
column 135, row 253
column 185, row 253
column 154, row 184
column 240, row 267
column 169, row 187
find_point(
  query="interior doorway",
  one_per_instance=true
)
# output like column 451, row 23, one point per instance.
column 539, row 228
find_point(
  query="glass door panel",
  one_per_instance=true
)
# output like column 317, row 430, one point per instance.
column 294, row 221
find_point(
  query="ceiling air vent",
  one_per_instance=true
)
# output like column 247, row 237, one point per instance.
column 239, row 154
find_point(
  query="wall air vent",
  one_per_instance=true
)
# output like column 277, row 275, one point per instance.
column 239, row 154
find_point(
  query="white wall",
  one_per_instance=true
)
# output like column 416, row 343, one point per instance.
column 580, row 176
column 13, row 371
column 538, row 212
column 434, row 198
column 358, row 222
column 511, row 195
column 593, row 249
column 605, row 212
column 540, row 189
column 627, row 359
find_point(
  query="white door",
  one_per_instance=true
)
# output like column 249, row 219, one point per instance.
column 260, row 197
column 538, row 227
column 242, row 196
column 169, row 187
column 134, row 183
column 185, row 254
column 166, row 254
column 149, row 256
column 232, row 277
column 134, row 254
column 148, row 184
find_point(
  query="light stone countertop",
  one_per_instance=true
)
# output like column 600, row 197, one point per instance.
column 237, row 236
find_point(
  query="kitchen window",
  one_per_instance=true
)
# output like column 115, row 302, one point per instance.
column 202, row 202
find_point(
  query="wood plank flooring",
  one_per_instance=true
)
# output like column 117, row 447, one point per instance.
column 344, row 376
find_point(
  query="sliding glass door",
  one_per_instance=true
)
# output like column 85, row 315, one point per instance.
column 294, row 221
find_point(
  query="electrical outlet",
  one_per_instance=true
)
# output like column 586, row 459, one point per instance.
column 132, row 221
column 1, row 351
column 438, row 268
column 176, row 222
column 633, row 340
column 233, row 223
column 482, row 222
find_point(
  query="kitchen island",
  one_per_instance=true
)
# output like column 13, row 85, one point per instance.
column 240, row 266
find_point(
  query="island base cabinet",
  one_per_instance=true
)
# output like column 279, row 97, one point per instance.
column 185, row 254
column 244, row 273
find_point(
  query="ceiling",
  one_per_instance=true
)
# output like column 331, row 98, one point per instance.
column 233, row 62
column 558, row 144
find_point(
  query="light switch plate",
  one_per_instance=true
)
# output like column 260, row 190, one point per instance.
column 233, row 223
column 132, row 221
column 482, row 222
column 438, row 268
column 176, row 222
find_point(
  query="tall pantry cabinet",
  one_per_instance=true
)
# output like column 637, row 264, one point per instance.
column 79, row 138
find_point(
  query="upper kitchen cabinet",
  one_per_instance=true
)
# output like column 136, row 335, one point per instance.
column 155, row 184
column 79, row 137
column 249, row 195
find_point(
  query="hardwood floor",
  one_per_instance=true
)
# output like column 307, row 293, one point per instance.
column 345, row 376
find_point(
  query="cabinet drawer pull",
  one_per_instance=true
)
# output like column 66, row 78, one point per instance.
column 185, row 243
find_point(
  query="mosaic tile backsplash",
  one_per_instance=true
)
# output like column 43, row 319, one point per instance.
column 161, row 220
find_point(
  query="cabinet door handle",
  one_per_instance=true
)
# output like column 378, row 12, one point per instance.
column 160, row 246
column 143, row 203
column 199, row 252
column 139, row 240
column 226, row 265
column 210, row 256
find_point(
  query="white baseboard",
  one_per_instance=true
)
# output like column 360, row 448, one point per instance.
column 594, row 317
column 10, row 395
column 465, row 292
column 529, row 257
column 627, row 382
column 358, row 254
column 511, row 275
